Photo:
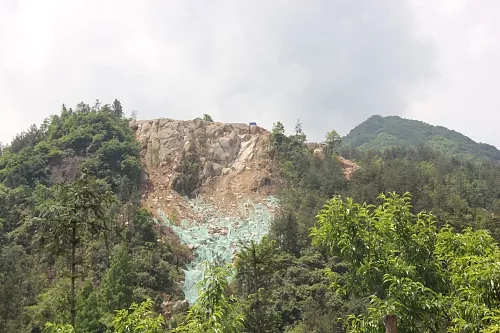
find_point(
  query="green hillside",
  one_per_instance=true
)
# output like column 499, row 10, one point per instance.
column 75, row 245
column 380, row 133
column 409, row 239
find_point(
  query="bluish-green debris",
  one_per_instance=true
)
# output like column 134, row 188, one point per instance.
column 217, row 237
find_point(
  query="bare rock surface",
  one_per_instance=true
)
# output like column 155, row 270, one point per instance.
column 233, row 162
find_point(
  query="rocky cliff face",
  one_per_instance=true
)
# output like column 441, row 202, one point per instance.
column 221, row 162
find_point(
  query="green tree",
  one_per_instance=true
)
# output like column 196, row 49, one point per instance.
column 214, row 311
column 207, row 117
column 72, row 212
column 140, row 319
column 27, row 138
column 117, row 286
column 35, row 283
column 299, row 133
column 254, row 268
column 285, row 230
column 117, row 108
column 14, row 270
column 293, row 291
column 333, row 141
column 58, row 328
column 89, row 314
column 278, row 136
column 252, row 265
column 430, row 279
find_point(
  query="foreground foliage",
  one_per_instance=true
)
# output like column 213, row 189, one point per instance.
column 140, row 319
column 432, row 280
column 214, row 311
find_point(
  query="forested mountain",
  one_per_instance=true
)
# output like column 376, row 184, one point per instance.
column 409, row 238
column 75, row 244
column 379, row 133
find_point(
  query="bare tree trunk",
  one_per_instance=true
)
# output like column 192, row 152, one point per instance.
column 256, row 287
column 73, row 277
column 390, row 324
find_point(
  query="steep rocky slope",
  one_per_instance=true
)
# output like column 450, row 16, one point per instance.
column 230, row 161
column 211, row 186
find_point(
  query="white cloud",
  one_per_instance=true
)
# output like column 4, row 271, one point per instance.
column 330, row 63
column 463, row 95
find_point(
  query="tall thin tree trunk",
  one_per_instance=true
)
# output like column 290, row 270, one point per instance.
column 73, row 277
column 390, row 324
column 256, row 287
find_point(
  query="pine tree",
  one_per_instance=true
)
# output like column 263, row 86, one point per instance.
column 117, row 285
column 89, row 312
column 117, row 109
column 253, row 266
column 71, row 213
column 14, row 265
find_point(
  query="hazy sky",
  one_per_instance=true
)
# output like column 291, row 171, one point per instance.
column 330, row 63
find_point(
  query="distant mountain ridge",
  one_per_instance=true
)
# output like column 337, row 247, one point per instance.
column 379, row 133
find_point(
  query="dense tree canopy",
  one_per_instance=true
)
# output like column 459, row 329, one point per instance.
column 61, row 185
column 380, row 133
column 79, row 254
column 432, row 279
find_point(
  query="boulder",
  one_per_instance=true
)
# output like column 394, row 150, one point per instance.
column 187, row 146
column 207, row 169
column 225, row 143
column 240, row 168
column 216, row 169
column 219, row 154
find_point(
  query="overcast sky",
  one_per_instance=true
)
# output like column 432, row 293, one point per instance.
column 330, row 63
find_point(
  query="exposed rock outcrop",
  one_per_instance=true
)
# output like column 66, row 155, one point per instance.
column 232, row 160
column 349, row 167
column 217, row 145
